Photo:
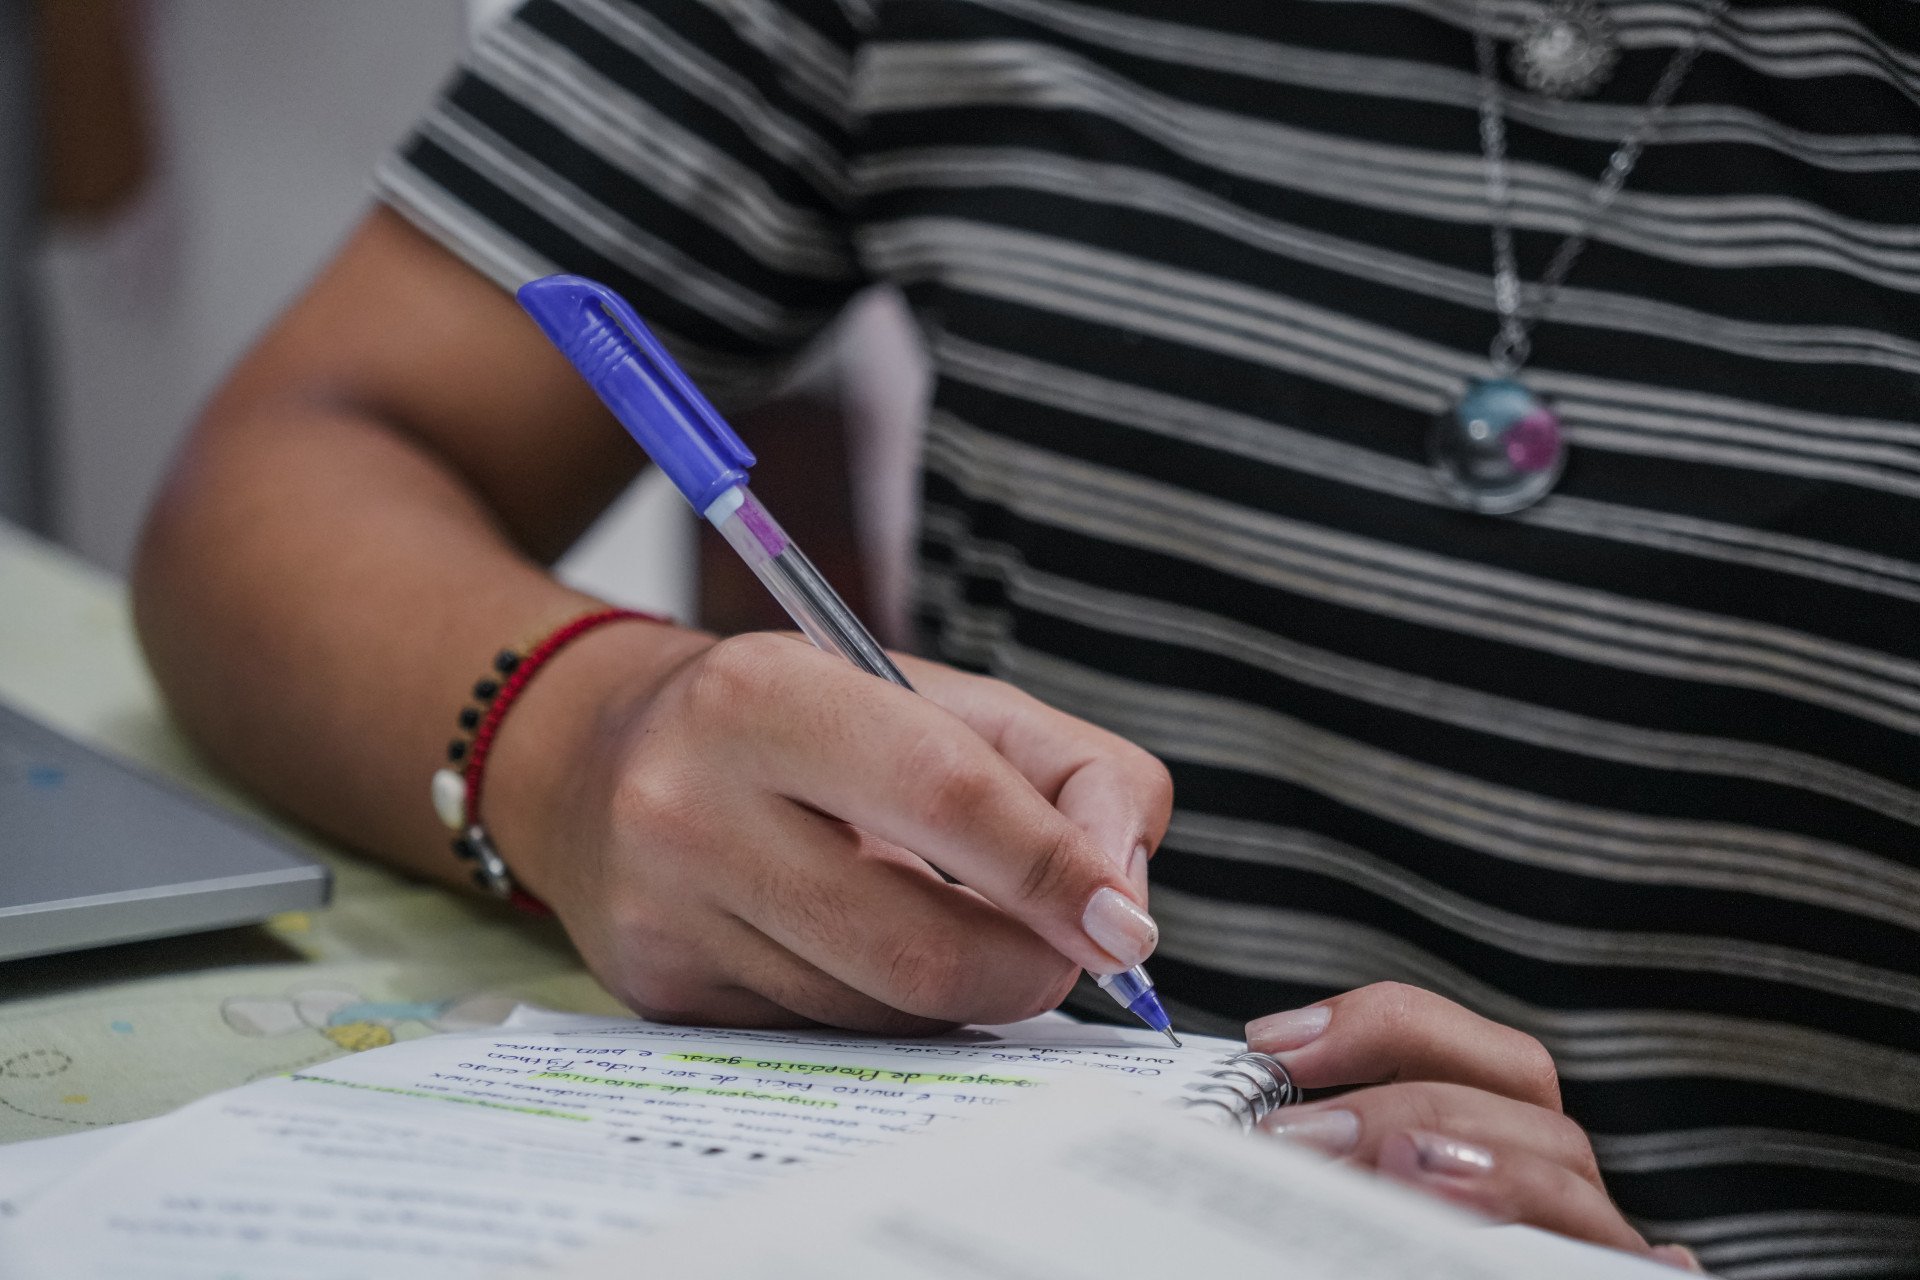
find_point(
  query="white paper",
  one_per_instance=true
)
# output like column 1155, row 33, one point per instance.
column 1089, row 1184
column 451, row 1155
column 29, row 1168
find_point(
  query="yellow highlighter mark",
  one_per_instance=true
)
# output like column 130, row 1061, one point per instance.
column 848, row 1072
column 753, row 1095
column 75, row 1099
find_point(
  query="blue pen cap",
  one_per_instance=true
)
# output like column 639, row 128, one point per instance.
column 633, row 375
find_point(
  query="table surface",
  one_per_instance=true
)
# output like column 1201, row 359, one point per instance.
column 122, row 1033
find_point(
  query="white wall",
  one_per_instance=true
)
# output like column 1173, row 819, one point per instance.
column 270, row 116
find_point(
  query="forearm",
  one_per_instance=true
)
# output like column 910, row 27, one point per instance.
column 316, row 593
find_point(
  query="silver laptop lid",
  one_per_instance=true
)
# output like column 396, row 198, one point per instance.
column 92, row 852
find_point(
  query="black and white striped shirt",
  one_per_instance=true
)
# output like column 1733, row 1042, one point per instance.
column 1637, row 770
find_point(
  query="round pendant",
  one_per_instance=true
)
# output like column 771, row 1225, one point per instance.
column 1568, row 51
column 1498, row 449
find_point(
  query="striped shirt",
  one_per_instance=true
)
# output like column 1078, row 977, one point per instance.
column 1637, row 770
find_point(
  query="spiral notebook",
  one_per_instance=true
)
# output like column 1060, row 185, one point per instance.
column 456, row 1154
column 1085, row 1184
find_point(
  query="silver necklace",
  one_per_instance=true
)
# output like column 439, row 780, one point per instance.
column 1500, row 448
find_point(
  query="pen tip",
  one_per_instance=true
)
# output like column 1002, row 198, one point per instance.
column 1168, row 1032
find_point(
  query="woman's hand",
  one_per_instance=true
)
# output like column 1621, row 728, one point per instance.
column 753, row 838
column 1449, row 1102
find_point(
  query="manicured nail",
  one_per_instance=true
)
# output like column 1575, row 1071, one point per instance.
column 1120, row 928
column 1332, row 1133
column 1279, row 1032
column 1678, row 1255
column 1450, row 1157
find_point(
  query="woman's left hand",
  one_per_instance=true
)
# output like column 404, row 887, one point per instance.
column 1448, row 1102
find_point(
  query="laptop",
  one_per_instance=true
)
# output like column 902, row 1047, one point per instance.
column 92, row 852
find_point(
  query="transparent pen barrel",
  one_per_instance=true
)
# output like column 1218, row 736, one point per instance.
column 814, row 606
column 1126, row 986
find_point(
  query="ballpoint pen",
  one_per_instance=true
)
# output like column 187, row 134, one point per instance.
column 688, row 439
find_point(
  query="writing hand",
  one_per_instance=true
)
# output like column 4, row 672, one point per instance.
column 753, row 840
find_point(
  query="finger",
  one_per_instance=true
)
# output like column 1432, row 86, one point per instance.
column 1508, row 1186
column 735, row 1006
column 1394, row 1032
column 1116, row 792
column 687, row 998
column 806, row 994
column 876, row 922
column 810, row 727
column 1356, row 1125
column 713, row 969
column 1679, row 1257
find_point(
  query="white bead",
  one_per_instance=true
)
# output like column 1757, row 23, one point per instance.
column 450, row 798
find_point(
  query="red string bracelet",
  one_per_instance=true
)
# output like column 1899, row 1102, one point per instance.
column 456, row 789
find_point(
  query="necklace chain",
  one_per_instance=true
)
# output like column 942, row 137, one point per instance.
column 1513, row 344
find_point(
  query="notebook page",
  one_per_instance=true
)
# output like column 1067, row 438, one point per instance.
column 29, row 1168
column 1088, row 1184
column 462, row 1151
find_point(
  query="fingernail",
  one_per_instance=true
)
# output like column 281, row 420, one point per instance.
column 1333, row 1133
column 1450, row 1157
column 1678, row 1255
column 1120, row 928
column 1279, row 1032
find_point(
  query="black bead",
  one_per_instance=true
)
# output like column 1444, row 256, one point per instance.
column 469, row 717
column 481, row 880
column 457, row 750
column 506, row 661
column 464, row 850
column 485, row 689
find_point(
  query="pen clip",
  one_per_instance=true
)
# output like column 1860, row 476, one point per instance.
column 606, row 341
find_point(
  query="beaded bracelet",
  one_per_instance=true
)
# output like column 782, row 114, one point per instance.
column 456, row 788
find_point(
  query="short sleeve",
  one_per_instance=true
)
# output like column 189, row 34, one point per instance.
column 692, row 154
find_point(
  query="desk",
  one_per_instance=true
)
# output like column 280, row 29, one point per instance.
column 123, row 1033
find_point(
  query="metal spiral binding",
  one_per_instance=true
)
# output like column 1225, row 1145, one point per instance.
column 1246, row 1089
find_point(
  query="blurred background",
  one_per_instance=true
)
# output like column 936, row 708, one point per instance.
column 177, row 169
